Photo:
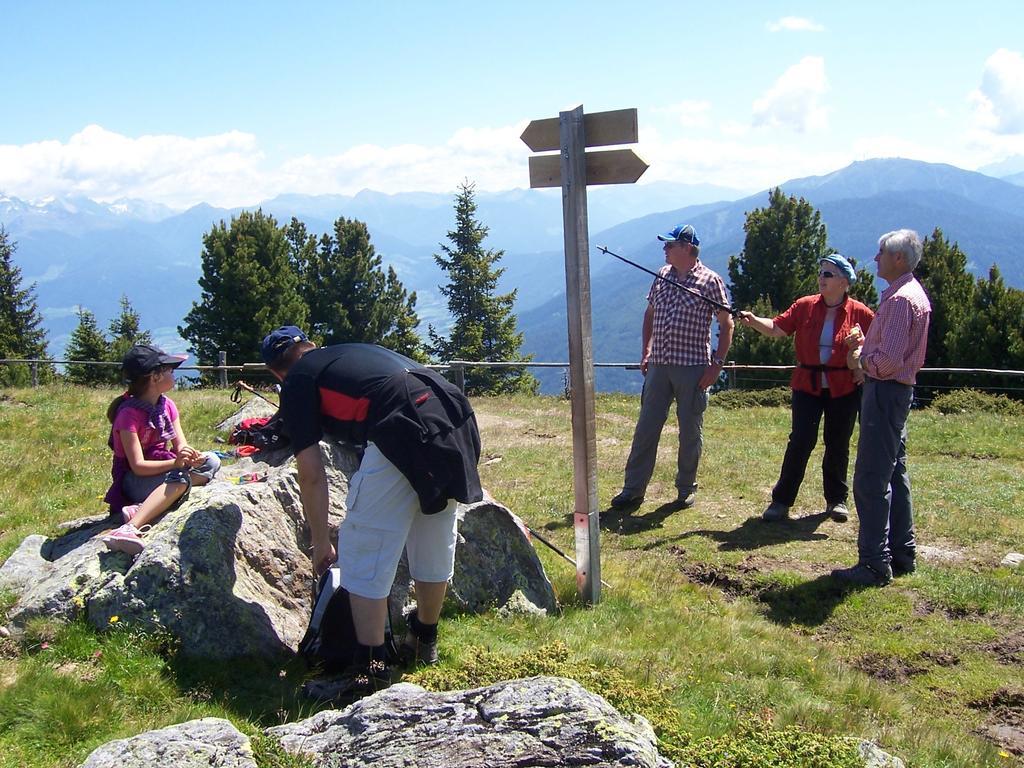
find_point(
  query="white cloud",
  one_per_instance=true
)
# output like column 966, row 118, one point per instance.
column 740, row 163
column 794, row 24
column 230, row 169
column 794, row 100
column 999, row 100
column 690, row 113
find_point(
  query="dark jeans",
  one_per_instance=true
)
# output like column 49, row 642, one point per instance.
column 840, row 416
column 881, row 484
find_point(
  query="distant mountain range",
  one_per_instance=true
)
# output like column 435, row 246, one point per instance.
column 78, row 251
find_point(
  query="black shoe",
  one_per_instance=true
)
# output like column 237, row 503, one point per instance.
column 775, row 512
column 685, row 500
column 902, row 566
column 413, row 649
column 626, row 500
column 864, row 575
column 354, row 683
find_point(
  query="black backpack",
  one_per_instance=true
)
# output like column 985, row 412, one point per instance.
column 263, row 433
column 330, row 641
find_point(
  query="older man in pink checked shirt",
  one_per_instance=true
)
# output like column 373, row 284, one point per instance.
column 890, row 356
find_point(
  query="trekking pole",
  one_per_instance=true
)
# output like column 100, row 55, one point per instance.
column 542, row 540
column 670, row 281
column 240, row 385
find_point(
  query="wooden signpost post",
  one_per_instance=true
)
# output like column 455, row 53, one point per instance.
column 573, row 168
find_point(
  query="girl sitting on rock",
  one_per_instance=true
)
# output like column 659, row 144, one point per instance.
column 154, row 466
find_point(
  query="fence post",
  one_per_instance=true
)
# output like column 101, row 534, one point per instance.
column 34, row 367
column 732, row 375
column 460, row 376
column 222, row 361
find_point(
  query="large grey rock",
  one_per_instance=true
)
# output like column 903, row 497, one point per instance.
column 228, row 574
column 875, row 757
column 196, row 744
column 539, row 721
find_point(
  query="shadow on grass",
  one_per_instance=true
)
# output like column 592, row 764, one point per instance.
column 625, row 522
column 755, row 533
column 808, row 604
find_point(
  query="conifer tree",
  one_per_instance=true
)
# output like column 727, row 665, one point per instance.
column 991, row 333
column 352, row 299
column 249, row 287
column 88, row 343
column 125, row 331
column 22, row 336
column 483, row 324
column 950, row 287
column 779, row 263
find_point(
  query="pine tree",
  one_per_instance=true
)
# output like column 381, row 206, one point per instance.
column 249, row 287
column 352, row 299
column 991, row 333
column 22, row 336
column 125, row 331
column 88, row 343
column 483, row 324
column 950, row 287
column 784, row 245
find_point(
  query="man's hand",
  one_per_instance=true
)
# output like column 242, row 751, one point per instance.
column 323, row 558
column 644, row 363
column 710, row 376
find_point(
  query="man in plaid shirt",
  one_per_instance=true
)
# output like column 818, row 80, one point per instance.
column 890, row 355
column 678, row 365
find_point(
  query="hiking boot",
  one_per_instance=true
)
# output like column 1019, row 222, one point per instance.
column 626, row 500
column 127, row 538
column 685, row 500
column 127, row 513
column 357, row 681
column 838, row 512
column 902, row 566
column 864, row 575
column 775, row 512
column 415, row 650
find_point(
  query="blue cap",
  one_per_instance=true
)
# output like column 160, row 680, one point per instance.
column 684, row 233
column 277, row 342
column 844, row 265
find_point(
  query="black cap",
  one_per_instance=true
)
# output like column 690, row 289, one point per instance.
column 143, row 359
column 277, row 342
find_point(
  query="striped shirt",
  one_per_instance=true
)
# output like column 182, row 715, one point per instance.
column 681, row 331
column 895, row 343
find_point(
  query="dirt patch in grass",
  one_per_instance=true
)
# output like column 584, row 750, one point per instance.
column 1009, row 649
column 889, row 668
column 734, row 581
column 1004, row 724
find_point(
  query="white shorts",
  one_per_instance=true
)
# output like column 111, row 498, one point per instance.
column 383, row 517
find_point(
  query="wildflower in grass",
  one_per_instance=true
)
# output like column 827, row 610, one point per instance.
column 113, row 619
column 79, row 601
column 44, row 646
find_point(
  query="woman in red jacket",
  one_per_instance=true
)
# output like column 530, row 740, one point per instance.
column 822, row 384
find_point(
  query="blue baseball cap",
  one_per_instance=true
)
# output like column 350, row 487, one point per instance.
column 684, row 233
column 277, row 342
column 843, row 264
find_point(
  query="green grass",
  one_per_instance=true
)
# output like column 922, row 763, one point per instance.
column 724, row 632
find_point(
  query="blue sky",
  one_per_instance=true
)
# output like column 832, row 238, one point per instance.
column 231, row 102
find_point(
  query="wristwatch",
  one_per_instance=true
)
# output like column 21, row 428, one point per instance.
column 718, row 361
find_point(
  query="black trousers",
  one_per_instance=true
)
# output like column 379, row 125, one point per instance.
column 840, row 417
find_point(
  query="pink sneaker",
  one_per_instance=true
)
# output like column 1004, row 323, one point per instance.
column 127, row 538
column 129, row 512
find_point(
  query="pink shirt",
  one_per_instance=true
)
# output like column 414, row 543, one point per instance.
column 895, row 343
column 135, row 420
column 681, row 331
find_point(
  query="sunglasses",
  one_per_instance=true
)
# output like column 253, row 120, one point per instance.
column 826, row 273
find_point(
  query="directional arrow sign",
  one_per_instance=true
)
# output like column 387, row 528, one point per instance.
column 599, row 128
column 615, row 166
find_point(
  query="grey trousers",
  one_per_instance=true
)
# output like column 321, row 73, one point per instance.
column 881, row 484
column 138, row 487
column 662, row 385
